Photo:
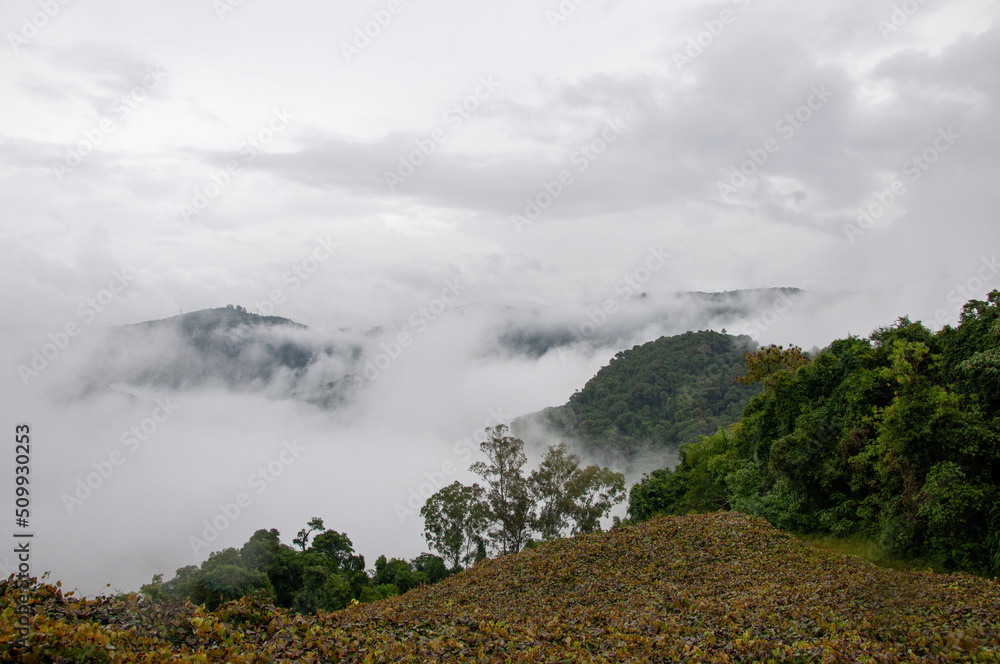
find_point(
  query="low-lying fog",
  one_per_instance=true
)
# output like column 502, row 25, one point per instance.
column 164, row 455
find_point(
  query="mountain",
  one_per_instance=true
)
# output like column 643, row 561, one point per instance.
column 721, row 587
column 223, row 347
column 654, row 396
column 232, row 348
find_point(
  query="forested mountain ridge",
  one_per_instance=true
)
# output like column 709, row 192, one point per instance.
column 656, row 395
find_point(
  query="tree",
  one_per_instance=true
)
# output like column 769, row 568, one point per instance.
column 176, row 588
column 659, row 492
column 566, row 493
column 508, row 500
column 302, row 539
column 222, row 578
column 431, row 566
column 283, row 565
column 548, row 485
column 398, row 573
column 261, row 549
column 769, row 360
column 338, row 551
column 321, row 590
column 591, row 493
column 558, row 495
column 455, row 518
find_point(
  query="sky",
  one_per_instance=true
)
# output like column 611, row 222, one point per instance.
column 450, row 170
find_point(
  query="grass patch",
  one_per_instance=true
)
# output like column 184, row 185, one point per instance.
column 862, row 548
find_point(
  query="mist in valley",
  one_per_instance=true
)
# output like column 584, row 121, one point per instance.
column 146, row 435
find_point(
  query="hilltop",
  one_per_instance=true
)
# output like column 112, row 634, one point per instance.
column 722, row 587
column 657, row 395
column 204, row 321
column 228, row 345
column 225, row 347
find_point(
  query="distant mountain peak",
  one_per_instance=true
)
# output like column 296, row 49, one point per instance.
column 228, row 317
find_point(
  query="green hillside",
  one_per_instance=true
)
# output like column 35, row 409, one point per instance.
column 660, row 394
column 893, row 440
column 721, row 587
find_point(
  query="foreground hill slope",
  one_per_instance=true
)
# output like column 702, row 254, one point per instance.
column 723, row 587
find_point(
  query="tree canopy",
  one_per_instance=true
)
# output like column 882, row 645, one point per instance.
column 657, row 395
column 461, row 522
column 894, row 438
column 322, row 575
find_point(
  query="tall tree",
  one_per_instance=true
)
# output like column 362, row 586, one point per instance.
column 302, row 539
column 455, row 521
column 508, row 500
column 548, row 485
column 591, row 493
column 338, row 551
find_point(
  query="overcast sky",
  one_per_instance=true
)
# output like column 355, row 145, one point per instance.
column 341, row 164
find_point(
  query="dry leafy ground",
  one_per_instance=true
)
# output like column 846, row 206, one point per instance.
column 720, row 587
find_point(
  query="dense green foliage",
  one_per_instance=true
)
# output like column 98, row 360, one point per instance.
column 720, row 587
column 660, row 394
column 894, row 438
column 324, row 574
column 462, row 522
